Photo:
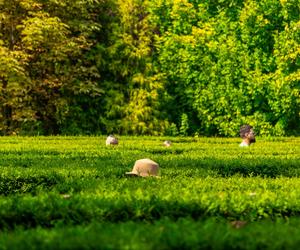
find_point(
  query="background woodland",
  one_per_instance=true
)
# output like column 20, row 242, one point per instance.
column 159, row 67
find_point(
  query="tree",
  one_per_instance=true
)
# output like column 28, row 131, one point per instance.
column 133, row 85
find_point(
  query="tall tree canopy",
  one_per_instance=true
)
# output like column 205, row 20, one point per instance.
column 149, row 67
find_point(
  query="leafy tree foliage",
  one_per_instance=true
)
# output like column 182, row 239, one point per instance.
column 223, row 65
column 149, row 67
column 133, row 83
column 53, row 75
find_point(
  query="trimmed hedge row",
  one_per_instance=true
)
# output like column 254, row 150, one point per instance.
column 134, row 199
column 213, row 233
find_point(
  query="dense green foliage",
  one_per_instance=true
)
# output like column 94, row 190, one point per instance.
column 72, row 193
column 163, row 234
column 149, row 67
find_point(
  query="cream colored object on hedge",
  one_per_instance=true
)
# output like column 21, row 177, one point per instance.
column 111, row 140
column 145, row 168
